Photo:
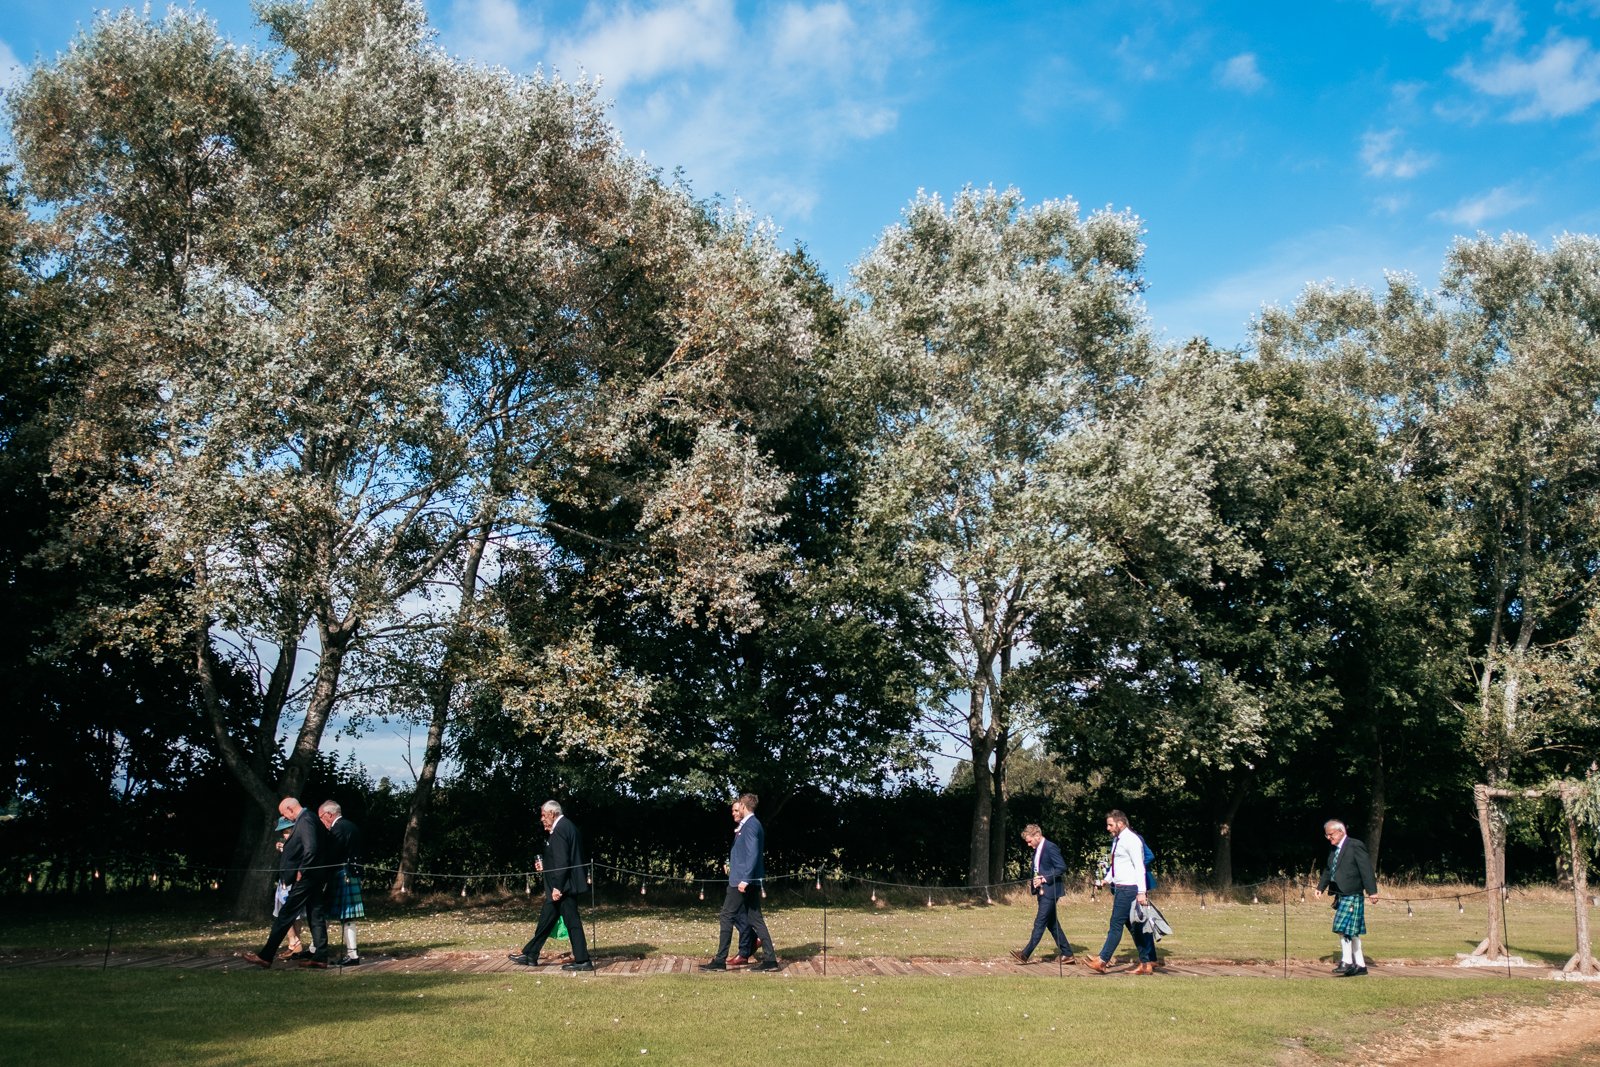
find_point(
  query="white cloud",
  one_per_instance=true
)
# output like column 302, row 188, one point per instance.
column 492, row 31
column 1444, row 17
column 1474, row 211
column 752, row 108
column 1379, row 156
column 1221, row 308
column 11, row 68
column 624, row 45
column 1241, row 73
column 1562, row 78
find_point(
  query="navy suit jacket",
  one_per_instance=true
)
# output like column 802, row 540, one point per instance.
column 747, row 862
column 1053, row 868
column 563, row 860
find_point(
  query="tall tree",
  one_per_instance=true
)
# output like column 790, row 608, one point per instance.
column 1022, row 435
column 1320, row 632
column 1488, row 388
column 344, row 302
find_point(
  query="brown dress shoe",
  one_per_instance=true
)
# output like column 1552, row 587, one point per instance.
column 1017, row 955
column 1095, row 964
column 738, row 961
column 1068, row 961
column 1145, row 968
column 251, row 957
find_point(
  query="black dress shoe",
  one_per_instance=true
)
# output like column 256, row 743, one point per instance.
column 767, row 965
column 1354, row 972
column 578, row 965
column 522, row 959
column 1341, row 970
column 714, row 965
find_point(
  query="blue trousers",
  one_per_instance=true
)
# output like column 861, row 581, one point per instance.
column 1046, row 920
column 1121, row 904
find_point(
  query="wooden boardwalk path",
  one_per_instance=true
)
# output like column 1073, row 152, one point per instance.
column 624, row 966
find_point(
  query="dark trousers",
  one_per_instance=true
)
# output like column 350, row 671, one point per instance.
column 1121, row 904
column 310, row 896
column 565, row 908
column 745, row 909
column 1046, row 920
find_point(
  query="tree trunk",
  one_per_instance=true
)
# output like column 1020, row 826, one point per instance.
column 422, row 795
column 1494, row 873
column 1582, row 960
column 1380, row 803
column 999, row 814
column 1222, row 853
column 443, row 693
column 982, row 810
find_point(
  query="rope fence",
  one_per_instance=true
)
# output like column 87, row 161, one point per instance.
column 825, row 881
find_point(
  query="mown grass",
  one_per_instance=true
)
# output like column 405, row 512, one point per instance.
column 221, row 1019
column 1539, row 923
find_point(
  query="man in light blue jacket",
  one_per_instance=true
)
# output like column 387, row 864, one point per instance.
column 747, row 869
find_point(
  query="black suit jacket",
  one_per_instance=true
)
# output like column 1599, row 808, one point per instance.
column 344, row 845
column 306, row 851
column 1353, row 872
column 563, row 859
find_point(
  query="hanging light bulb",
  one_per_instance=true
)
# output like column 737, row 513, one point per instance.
column 819, row 879
column 763, row 891
column 1461, row 908
column 214, row 884
column 1254, row 899
column 1202, row 902
column 1409, row 913
column 874, row 894
column 702, row 892
column 641, row 889
column 463, row 890
column 930, row 900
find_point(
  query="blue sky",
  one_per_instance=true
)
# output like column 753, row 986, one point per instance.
column 1262, row 152
column 1265, row 146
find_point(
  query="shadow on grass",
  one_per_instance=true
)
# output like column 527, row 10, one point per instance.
column 241, row 1017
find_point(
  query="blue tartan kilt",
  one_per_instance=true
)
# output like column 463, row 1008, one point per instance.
column 347, row 897
column 1350, row 916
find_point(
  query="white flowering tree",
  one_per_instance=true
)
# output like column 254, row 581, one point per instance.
column 354, row 313
column 1028, row 430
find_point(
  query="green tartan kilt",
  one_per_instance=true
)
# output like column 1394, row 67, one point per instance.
column 1350, row 916
column 347, row 897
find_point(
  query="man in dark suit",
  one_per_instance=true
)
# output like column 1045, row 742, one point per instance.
column 1348, row 873
column 1047, row 884
column 565, row 876
column 747, row 869
column 344, row 901
column 302, row 868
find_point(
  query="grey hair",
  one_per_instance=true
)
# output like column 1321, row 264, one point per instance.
column 330, row 806
column 1331, row 823
column 551, row 806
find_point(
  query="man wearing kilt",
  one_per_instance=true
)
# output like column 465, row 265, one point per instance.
column 1348, row 874
column 344, row 882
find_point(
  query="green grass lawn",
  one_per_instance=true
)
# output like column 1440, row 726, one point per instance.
column 1540, row 926
column 69, row 1017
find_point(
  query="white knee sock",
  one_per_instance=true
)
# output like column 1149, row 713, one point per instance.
column 1346, row 951
column 1361, row 961
column 350, row 939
